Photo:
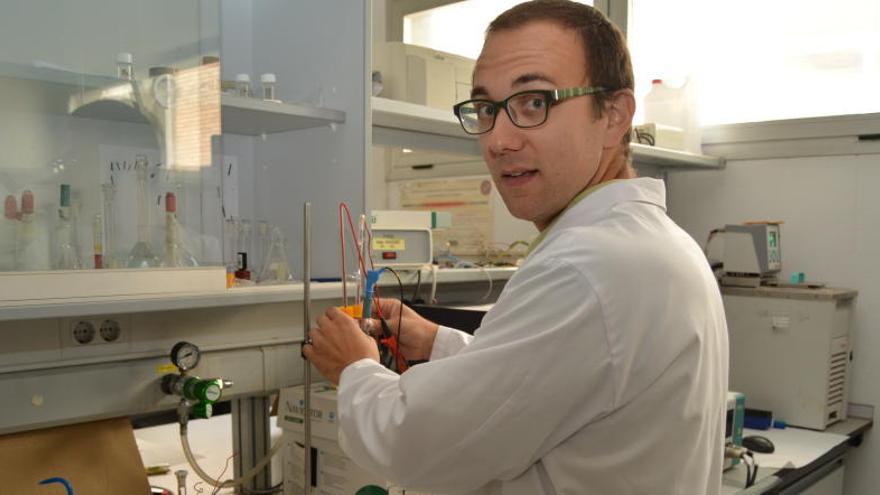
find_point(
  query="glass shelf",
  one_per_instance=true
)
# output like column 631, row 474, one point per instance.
column 253, row 117
column 48, row 73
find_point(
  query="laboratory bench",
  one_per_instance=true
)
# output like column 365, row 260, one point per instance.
column 211, row 442
column 819, row 456
column 815, row 461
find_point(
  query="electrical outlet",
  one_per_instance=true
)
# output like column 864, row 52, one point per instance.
column 82, row 331
column 96, row 330
column 110, row 330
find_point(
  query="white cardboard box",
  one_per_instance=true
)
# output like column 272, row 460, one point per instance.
column 336, row 473
column 291, row 407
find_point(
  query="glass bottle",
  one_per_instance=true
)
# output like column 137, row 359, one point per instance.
column 176, row 252
column 242, row 250
column 124, row 66
column 141, row 255
column 268, row 82
column 243, row 84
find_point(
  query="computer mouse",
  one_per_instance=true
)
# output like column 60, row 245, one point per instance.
column 759, row 444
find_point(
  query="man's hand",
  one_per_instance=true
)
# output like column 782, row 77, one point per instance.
column 415, row 336
column 336, row 343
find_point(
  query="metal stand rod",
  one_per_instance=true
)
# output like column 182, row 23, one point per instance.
column 250, row 439
column 307, row 366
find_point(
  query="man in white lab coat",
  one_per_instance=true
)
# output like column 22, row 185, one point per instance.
column 602, row 368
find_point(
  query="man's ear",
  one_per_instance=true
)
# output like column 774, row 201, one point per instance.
column 619, row 110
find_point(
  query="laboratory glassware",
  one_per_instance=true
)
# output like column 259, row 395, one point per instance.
column 243, row 248
column 141, row 255
column 176, row 252
column 276, row 268
column 25, row 252
column 98, row 240
column 108, row 195
column 67, row 251
column 261, row 242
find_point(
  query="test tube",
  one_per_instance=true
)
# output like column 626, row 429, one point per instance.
column 98, row 240
column 268, row 82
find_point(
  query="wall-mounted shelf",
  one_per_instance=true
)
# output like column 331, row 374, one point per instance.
column 48, row 73
column 253, row 117
column 666, row 158
column 407, row 116
column 399, row 123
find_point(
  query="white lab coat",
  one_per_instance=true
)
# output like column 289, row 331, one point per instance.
column 601, row 369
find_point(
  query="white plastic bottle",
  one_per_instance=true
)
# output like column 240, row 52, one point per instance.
column 676, row 108
column 665, row 106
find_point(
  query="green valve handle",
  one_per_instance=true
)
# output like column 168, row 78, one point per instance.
column 207, row 391
column 202, row 410
column 194, row 388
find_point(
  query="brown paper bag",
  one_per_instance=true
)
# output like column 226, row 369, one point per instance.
column 98, row 458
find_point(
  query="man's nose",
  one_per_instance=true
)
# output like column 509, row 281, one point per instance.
column 504, row 136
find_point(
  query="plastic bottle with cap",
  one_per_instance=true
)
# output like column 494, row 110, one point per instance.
column 243, row 84
column 268, row 82
column 664, row 105
column 124, row 66
column 675, row 107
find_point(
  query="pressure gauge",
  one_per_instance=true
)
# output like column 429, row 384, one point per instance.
column 185, row 356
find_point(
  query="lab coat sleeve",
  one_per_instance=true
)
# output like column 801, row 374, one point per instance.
column 537, row 371
column 448, row 341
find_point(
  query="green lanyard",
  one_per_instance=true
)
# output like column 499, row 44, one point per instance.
column 577, row 199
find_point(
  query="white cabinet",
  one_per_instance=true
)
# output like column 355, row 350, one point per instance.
column 789, row 351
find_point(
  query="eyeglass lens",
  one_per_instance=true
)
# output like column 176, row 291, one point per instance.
column 525, row 110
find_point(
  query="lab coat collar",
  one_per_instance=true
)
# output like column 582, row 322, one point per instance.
column 592, row 203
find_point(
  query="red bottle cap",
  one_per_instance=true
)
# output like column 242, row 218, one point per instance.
column 10, row 208
column 170, row 202
column 27, row 202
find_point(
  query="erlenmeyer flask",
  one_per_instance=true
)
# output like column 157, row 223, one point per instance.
column 141, row 255
column 276, row 268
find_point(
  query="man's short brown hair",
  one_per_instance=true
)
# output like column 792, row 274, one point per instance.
column 606, row 55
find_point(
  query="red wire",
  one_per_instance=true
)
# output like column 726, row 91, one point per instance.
column 342, row 256
column 391, row 342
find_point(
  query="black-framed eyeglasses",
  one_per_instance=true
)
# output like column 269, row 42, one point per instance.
column 526, row 109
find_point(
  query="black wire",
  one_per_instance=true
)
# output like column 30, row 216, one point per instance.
column 644, row 138
column 751, row 468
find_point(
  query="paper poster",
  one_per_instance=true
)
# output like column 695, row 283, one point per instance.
column 469, row 202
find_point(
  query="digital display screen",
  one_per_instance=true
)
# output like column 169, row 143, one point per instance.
column 771, row 238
